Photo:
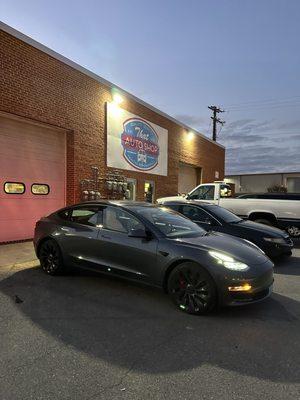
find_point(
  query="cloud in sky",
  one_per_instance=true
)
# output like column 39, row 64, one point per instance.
column 261, row 159
column 249, row 65
column 256, row 145
column 191, row 120
column 261, row 146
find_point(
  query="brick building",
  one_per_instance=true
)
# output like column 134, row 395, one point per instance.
column 57, row 121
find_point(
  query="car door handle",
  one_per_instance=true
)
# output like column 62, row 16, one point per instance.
column 106, row 236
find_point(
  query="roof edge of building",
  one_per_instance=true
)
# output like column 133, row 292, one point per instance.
column 32, row 42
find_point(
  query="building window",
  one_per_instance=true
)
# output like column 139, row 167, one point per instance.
column 149, row 191
column 131, row 189
column 40, row 188
column 14, row 188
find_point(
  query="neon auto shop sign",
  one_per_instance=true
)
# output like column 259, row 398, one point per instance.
column 140, row 144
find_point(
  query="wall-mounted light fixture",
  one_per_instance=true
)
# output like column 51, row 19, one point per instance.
column 117, row 98
column 190, row 135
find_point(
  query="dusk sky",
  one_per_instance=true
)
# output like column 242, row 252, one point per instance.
column 182, row 56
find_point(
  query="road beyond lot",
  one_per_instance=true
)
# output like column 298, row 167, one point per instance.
column 85, row 336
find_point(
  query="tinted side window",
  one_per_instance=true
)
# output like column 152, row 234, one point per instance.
column 195, row 213
column 203, row 193
column 91, row 216
column 64, row 214
column 116, row 219
column 174, row 207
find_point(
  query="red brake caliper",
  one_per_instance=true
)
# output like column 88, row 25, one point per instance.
column 182, row 283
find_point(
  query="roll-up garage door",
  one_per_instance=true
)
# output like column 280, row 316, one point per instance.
column 188, row 177
column 293, row 185
column 32, row 175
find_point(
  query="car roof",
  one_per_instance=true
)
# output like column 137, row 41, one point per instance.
column 122, row 203
column 193, row 202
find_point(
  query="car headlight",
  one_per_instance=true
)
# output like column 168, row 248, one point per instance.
column 279, row 240
column 254, row 245
column 228, row 262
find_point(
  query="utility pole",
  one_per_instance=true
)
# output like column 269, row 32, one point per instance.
column 216, row 120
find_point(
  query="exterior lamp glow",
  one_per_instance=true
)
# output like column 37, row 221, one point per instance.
column 190, row 136
column 228, row 262
column 117, row 99
column 243, row 288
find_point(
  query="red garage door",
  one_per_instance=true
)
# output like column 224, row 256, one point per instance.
column 32, row 175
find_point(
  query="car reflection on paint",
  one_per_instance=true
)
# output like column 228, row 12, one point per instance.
column 157, row 246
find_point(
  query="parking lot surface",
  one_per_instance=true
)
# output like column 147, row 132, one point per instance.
column 85, row 336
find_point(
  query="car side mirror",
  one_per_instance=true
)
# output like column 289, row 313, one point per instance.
column 138, row 233
column 207, row 221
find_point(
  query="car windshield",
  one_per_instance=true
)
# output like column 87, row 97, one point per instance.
column 170, row 223
column 223, row 214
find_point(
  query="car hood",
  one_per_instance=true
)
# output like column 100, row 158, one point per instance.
column 171, row 198
column 269, row 231
column 235, row 247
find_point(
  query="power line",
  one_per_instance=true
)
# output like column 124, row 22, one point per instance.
column 220, row 130
column 254, row 102
column 216, row 110
column 287, row 103
column 263, row 107
column 264, row 104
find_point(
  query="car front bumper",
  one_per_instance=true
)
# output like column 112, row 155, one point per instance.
column 261, row 288
column 278, row 249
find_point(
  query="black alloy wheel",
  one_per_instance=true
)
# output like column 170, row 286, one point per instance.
column 50, row 257
column 192, row 289
column 293, row 231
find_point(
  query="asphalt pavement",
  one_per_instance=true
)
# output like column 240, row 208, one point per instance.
column 85, row 336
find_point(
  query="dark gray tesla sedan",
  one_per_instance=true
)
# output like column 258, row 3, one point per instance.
column 157, row 246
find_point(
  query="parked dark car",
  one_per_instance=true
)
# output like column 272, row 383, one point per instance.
column 157, row 246
column 274, row 242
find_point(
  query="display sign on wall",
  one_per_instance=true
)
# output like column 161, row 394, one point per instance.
column 134, row 143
